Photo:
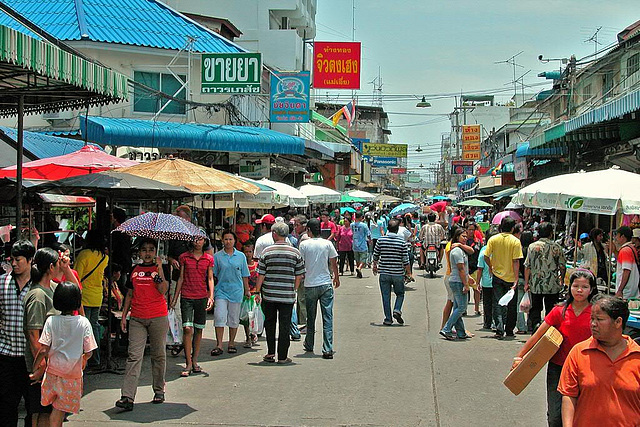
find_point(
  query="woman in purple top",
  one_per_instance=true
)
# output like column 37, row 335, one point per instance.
column 345, row 245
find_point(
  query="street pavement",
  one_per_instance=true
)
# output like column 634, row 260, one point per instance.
column 380, row 376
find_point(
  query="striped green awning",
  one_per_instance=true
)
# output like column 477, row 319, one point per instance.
column 50, row 78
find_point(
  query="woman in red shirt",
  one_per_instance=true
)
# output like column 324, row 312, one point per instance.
column 146, row 299
column 572, row 318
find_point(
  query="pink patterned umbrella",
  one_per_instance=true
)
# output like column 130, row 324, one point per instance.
column 498, row 218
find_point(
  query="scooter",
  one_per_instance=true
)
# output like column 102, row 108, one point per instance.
column 432, row 260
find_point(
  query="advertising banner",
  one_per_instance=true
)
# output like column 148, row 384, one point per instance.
column 471, row 142
column 399, row 171
column 336, row 65
column 379, row 171
column 231, row 72
column 255, row 168
column 520, row 169
column 290, row 97
column 462, row 167
column 381, row 162
column 384, row 150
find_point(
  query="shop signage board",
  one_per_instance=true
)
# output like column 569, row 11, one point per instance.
column 462, row 167
column 380, row 162
column 336, row 65
column 384, row 150
column 379, row 171
column 520, row 169
column 313, row 177
column 398, row 171
column 290, row 97
column 231, row 72
column 471, row 142
column 255, row 168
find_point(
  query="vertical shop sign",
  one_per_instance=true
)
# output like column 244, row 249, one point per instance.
column 290, row 97
column 336, row 65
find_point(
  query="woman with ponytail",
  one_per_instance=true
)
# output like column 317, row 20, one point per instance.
column 38, row 306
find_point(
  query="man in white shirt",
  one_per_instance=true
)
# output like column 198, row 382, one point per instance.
column 318, row 255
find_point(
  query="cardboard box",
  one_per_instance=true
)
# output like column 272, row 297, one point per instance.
column 533, row 361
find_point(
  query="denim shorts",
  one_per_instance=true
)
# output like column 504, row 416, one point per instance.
column 194, row 312
column 360, row 257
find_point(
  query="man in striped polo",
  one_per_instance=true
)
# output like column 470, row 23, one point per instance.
column 280, row 272
column 391, row 260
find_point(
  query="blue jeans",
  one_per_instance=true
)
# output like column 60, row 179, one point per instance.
column 388, row 281
column 459, row 308
column 324, row 295
column 92, row 315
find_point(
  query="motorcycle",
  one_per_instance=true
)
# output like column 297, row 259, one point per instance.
column 432, row 260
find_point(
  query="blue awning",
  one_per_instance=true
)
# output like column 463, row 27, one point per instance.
column 44, row 146
column 189, row 136
column 617, row 108
column 467, row 183
column 526, row 151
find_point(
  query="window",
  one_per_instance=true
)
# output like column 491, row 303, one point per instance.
column 586, row 92
column 145, row 102
column 607, row 84
column 633, row 64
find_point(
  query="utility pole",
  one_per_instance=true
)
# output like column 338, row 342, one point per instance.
column 594, row 39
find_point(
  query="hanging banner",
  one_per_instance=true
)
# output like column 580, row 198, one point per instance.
column 384, row 150
column 471, row 142
column 461, row 167
column 231, row 72
column 255, row 168
column 290, row 97
column 336, row 65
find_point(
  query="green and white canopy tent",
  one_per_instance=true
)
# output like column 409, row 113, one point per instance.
column 38, row 77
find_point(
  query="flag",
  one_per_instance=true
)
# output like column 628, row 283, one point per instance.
column 495, row 170
column 349, row 112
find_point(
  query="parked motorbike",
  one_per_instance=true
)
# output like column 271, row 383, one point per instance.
column 432, row 260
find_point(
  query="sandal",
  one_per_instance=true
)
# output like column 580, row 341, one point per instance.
column 269, row 358
column 158, row 398
column 216, row 351
column 185, row 373
column 232, row 349
column 197, row 370
column 285, row 361
column 247, row 344
column 125, row 403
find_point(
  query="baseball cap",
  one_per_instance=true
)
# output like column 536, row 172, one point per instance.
column 266, row 219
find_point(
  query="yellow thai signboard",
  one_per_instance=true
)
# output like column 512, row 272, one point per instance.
column 384, row 150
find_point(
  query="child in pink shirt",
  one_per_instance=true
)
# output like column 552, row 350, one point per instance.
column 67, row 343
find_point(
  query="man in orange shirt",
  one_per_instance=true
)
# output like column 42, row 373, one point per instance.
column 600, row 380
column 243, row 230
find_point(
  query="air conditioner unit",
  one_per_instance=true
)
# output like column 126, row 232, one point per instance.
column 59, row 115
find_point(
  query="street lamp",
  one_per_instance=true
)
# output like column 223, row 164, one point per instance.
column 423, row 103
column 419, row 150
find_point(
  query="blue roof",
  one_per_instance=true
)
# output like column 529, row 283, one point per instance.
column 467, row 183
column 189, row 136
column 44, row 146
column 9, row 21
column 146, row 23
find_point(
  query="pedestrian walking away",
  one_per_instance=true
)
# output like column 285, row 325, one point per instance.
column 320, row 258
column 391, row 260
column 146, row 300
column 280, row 272
column 361, row 239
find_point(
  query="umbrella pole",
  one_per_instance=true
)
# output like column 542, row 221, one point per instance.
column 109, row 366
column 19, row 152
column 213, row 199
column 575, row 251
column 609, row 256
column 555, row 225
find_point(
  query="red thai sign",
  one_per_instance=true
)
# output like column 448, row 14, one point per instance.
column 336, row 65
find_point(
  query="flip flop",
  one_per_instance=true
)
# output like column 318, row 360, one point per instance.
column 270, row 358
column 284, row 362
column 232, row 349
column 216, row 351
column 197, row 370
column 185, row 373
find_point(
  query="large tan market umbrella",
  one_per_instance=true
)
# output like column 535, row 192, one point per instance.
column 194, row 177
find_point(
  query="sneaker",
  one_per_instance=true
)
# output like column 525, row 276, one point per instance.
column 295, row 338
column 398, row 316
column 387, row 322
column 358, row 273
column 327, row 355
column 446, row 336
column 125, row 403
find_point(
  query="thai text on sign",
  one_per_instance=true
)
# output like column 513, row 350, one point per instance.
column 336, row 65
column 290, row 97
column 384, row 150
column 231, row 72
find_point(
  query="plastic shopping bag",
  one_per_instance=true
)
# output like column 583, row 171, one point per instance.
column 525, row 303
column 247, row 305
column 257, row 323
column 504, row 301
column 174, row 335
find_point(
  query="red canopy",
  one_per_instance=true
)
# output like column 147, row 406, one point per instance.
column 89, row 159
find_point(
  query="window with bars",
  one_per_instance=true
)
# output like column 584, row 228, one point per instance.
column 633, row 64
column 145, row 102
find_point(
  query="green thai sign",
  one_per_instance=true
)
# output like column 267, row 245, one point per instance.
column 231, row 72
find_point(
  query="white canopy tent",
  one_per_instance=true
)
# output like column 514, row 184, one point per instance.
column 296, row 198
column 361, row 194
column 319, row 194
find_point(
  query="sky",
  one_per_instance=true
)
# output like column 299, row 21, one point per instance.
column 441, row 47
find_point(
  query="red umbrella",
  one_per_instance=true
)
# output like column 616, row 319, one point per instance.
column 88, row 159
